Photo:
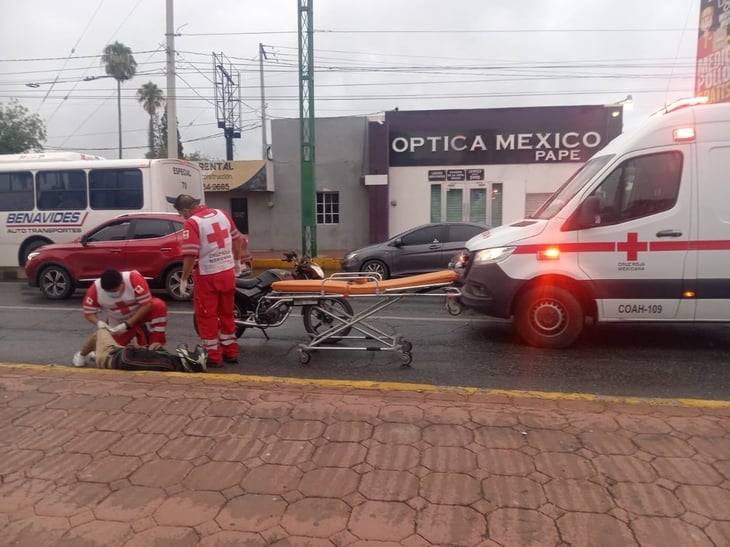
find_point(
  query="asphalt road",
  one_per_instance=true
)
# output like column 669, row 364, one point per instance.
column 668, row 361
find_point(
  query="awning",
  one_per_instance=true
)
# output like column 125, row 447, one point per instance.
column 224, row 176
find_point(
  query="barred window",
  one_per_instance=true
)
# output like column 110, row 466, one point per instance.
column 328, row 207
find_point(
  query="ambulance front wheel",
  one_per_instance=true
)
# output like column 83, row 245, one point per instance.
column 549, row 317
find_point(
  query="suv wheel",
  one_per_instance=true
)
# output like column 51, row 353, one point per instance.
column 172, row 284
column 55, row 283
column 376, row 266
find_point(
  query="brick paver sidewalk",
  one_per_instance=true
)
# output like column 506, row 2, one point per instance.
column 110, row 458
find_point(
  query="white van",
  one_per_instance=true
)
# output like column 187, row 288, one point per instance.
column 641, row 232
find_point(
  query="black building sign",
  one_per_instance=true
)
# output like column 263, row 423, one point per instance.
column 455, row 175
column 437, row 175
column 501, row 136
column 474, row 174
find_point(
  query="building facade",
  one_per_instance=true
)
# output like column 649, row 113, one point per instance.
column 377, row 176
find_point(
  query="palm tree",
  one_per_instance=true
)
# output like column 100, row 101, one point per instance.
column 120, row 65
column 151, row 98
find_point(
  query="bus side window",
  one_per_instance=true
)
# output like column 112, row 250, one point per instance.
column 116, row 189
column 61, row 190
column 16, row 191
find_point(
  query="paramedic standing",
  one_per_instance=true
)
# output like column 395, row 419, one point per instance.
column 211, row 238
column 131, row 311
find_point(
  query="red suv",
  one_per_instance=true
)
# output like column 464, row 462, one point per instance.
column 146, row 242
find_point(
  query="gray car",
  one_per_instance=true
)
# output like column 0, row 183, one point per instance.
column 426, row 248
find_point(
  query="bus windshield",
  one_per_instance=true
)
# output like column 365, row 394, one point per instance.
column 570, row 187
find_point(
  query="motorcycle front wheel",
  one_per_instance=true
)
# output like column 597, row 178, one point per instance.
column 317, row 321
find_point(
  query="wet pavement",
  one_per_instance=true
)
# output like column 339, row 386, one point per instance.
column 91, row 457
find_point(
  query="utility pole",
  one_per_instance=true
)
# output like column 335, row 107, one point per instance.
column 264, row 147
column 306, row 127
column 171, row 109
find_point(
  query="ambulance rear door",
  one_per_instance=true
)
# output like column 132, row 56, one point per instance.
column 713, row 241
column 634, row 250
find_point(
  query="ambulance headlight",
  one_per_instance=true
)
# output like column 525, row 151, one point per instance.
column 495, row 254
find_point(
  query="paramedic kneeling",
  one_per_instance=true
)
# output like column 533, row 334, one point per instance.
column 131, row 311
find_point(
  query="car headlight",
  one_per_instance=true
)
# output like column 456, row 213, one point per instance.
column 32, row 255
column 494, row 254
column 350, row 256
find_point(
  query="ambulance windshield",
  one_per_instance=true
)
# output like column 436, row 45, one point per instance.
column 570, row 187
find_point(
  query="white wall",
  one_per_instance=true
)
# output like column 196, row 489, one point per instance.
column 410, row 189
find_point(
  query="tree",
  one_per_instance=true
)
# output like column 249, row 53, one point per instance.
column 120, row 65
column 151, row 98
column 162, row 149
column 19, row 131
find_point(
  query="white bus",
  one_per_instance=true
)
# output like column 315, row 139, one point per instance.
column 54, row 198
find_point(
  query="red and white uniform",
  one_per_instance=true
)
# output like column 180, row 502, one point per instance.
column 121, row 308
column 208, row 235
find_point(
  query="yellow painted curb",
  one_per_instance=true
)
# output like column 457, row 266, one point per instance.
column 401, row 386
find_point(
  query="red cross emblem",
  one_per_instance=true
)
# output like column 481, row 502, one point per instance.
column 632, row 246
column 218, row 236
column 122, row 308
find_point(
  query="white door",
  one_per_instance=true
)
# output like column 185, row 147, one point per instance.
column 636, row 255
column 713, row 257
column 467, row 202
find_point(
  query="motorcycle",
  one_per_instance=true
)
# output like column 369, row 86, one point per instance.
column 253, row 310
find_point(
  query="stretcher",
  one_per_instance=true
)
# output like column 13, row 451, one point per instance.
column 377, row 294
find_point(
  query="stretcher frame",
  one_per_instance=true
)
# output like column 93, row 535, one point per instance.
column 378, row 293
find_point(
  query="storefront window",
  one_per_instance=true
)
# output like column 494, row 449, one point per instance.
column 496, row 205
column 435, row 203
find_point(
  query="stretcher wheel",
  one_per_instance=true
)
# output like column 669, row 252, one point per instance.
column 304, row 357
column 406, row 358
column 453, row 306
column 406, row 345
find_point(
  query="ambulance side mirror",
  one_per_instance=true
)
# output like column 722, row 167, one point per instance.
column 589, row 214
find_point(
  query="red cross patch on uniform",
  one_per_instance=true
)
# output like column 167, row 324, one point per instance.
column 186, row 234
column 89, row 301
column 139, row 289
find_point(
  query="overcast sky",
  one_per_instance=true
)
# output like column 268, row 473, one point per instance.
column 370, row 56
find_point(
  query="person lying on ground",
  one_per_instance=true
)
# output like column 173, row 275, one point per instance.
column 109, row 354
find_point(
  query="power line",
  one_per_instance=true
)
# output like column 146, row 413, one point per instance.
column 435, row 31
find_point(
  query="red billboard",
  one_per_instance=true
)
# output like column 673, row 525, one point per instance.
column 712, row 78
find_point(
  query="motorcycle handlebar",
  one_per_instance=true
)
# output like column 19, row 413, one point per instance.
column 292, row 257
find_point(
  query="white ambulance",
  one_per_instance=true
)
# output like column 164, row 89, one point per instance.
column 641, row 232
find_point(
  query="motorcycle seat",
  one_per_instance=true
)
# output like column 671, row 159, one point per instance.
column 247, row 283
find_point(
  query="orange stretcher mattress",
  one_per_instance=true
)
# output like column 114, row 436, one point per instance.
column 347, row 287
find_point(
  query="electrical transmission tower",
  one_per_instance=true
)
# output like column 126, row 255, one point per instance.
column 306, row 127
column 227, row 100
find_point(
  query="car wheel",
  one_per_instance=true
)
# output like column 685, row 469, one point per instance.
column 55, row 283
column 172, row 284
column 376, row 266
column 549, row 317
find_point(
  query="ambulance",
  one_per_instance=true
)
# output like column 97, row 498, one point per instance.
column 640, row 233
